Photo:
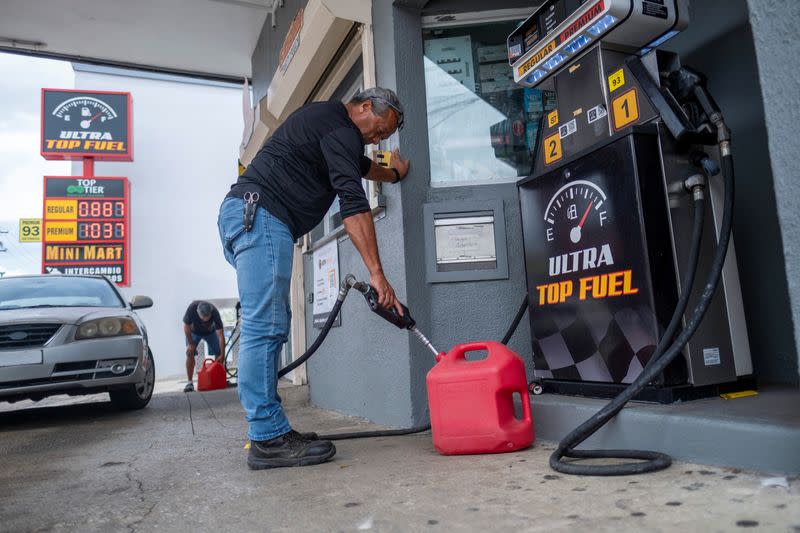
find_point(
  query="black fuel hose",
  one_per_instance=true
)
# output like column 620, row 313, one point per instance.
column 420, row 429
column 376, row 433
column 381, row 432
column 649, row 461
column 688, row 282
column 517, row 319
column 317, row 342
column 234, row 340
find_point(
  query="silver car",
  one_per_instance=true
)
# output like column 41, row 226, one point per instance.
column 72, row 335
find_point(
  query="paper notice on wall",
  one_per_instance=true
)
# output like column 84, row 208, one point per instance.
column 326, row 283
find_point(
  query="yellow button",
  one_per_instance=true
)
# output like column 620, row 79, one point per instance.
column 552, row 148
column 626, row 109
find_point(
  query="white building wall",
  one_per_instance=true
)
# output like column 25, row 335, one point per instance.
column 186, row 142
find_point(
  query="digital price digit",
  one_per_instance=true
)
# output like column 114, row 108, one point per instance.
column 101, row 231
column 101, row 209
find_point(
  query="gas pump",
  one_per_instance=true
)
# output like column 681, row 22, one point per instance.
column 614, row 210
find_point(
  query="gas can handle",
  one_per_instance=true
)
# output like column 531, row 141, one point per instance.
column 460, row 351
column 527, row 416
column 207, row 362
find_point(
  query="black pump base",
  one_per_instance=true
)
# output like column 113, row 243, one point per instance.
column 662, row 395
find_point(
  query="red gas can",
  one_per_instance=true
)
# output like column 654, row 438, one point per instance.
column 472, row 403
column 211, row 376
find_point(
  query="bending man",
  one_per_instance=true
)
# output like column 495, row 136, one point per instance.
column 316, row 155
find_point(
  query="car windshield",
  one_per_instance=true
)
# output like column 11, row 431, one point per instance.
column 57, row 291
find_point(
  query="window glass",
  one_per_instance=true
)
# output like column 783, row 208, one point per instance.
column 57, row 291
column 482, row 127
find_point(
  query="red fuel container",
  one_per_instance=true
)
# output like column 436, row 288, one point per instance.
column 211, row 376
column 472, row 403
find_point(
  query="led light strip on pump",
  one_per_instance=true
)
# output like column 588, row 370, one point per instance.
column 587, row 25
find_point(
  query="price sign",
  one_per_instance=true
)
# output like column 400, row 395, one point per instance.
column 85, row 227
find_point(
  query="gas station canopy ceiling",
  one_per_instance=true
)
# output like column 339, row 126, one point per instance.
column 212, row 38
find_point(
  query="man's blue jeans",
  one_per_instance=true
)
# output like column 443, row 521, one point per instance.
column 262, row 258
column 210, row 338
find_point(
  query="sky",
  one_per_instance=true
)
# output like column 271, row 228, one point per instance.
column 22, row 168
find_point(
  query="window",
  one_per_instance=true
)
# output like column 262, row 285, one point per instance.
column 57, row 291
column 482, row 127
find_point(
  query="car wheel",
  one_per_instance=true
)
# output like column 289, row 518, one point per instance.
column 136, row 395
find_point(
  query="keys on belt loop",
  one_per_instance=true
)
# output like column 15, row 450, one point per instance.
column 250, row 205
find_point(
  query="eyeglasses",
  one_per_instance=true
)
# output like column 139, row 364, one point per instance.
column 394, row 107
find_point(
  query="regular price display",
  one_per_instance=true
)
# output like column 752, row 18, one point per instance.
column 97, row 231
column 101, row 209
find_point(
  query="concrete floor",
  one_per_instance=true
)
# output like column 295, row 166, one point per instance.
column 178, row 465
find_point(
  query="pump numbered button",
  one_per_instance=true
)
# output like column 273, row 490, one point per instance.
column 625, row 109
column 552, row 148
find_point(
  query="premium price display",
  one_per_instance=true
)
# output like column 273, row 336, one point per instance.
column 85, row 227
column 96, row 231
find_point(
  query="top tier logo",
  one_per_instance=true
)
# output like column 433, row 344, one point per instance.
column 78, row 124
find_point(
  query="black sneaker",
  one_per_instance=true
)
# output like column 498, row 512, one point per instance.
column 290, row 449
column 189, row 387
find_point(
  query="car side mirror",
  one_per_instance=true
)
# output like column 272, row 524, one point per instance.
column 141, row 302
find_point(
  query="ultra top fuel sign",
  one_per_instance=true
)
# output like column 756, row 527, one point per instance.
column 78, row 124
column 86, row 227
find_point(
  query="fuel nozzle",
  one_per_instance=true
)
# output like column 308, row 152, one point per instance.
column 402, row 322
column 390, row 315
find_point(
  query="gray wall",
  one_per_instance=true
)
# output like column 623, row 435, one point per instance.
column 450, row 313
column 774, row 24
column 352, row 376
column 364, row 366
column 719, row 43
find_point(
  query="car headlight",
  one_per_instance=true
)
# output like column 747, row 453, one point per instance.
column 107, row 327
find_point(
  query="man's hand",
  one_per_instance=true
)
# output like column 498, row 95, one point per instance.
column 400, row 164
column 191, row 349
column 386, row 296
column 362, row 232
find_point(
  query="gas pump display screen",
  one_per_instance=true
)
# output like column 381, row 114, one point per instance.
column 537, row 26
column 592, row 313
column 566, row 27
column 85, row 227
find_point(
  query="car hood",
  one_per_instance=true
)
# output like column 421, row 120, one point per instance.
column 61, row 315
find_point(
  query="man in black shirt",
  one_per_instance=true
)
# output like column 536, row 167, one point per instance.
column 316, row 155
column 201, row 321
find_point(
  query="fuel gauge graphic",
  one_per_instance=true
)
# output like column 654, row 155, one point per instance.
column 575, row 209
column 84, row 109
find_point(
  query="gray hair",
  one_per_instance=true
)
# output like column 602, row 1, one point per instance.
column 382, row 100
column 204, row 309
